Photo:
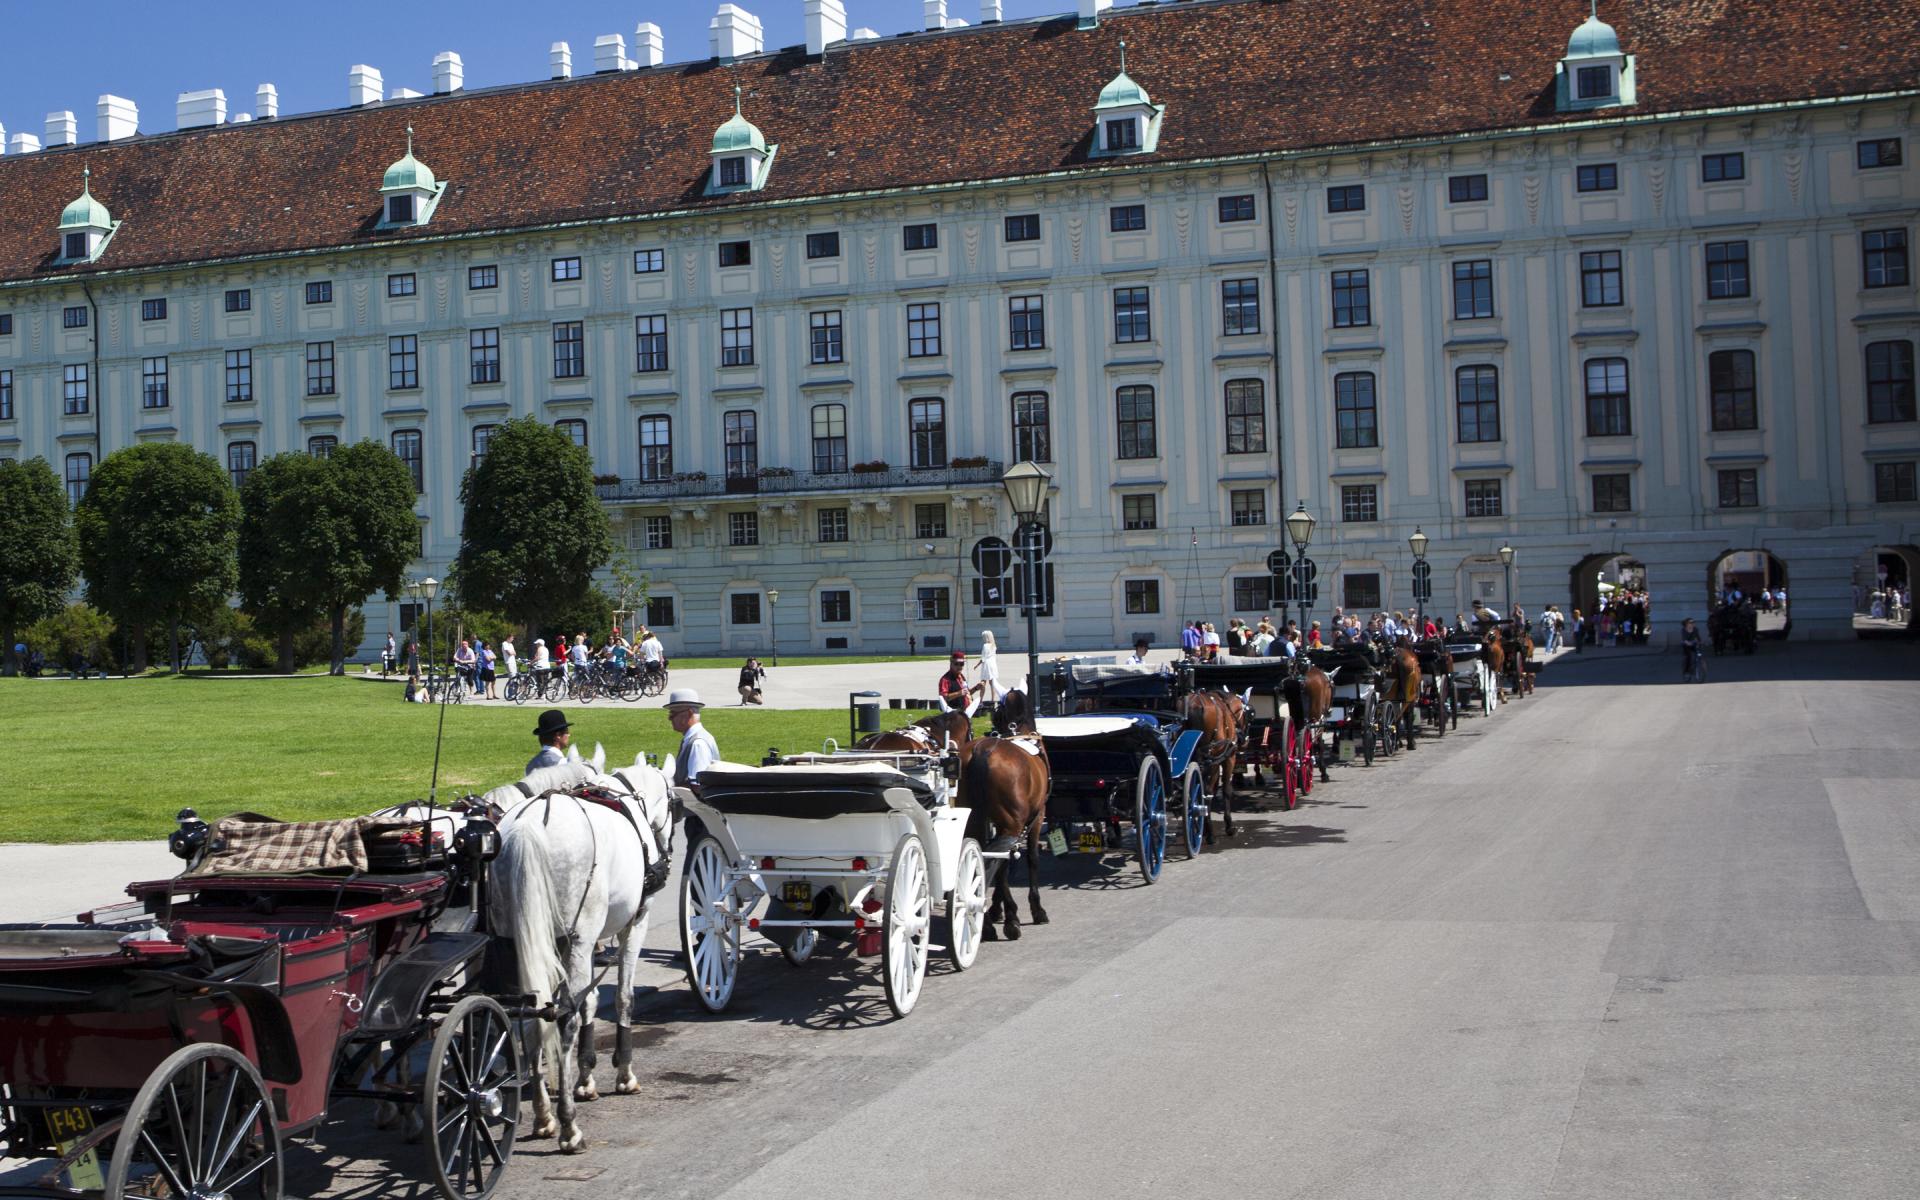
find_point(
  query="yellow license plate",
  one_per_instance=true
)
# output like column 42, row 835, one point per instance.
column 1091, row 843
column 796, row 892
column 68, row 1126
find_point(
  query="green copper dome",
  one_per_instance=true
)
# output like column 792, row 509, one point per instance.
column 409, row 172
column 738, row 134
column 1123, row 91
column 86, row 212
column 1593, row 39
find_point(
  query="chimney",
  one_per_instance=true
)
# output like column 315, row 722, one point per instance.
column 826, row 24
column 266, row 101
column 863, row 34
column 734, row 33
column 23, row 143
column 403, row 94
column 365, row 84
column 609, row 53
column 561, row 58
column 649, row 46
column 1090, row 11
column 989, row 12
column 449, row 73
column 239, row 118
column 119, row 118
column 193, row 110
column 936, row 13
column 62, row 129
column 3, row 139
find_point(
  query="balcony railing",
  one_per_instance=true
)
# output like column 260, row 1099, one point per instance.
column 774, row 482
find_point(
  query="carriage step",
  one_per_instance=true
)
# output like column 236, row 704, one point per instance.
column 1002, row 847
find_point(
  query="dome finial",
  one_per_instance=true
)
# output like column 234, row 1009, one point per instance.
column 736, row 99
column 1593, row 9
column 1123, row 55
column 409, row 139
column 86, row 181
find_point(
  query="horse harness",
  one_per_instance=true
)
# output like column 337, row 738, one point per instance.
column 657, row 871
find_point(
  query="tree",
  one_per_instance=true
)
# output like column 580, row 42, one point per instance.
column 373, row 530
column 39, row 560
column 534, row 530
column 157, row 532
column 74, row 632
column 284, row 535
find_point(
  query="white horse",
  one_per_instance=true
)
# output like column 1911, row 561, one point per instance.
column 569, row 876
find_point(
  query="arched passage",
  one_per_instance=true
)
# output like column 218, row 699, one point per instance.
column 1883, row 581
column 1610, row 591
column 1760, row 579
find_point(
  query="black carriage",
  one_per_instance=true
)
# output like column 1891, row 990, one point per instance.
column 1361, row 722
column 1438, row 693
column 1734, row 629
column 1275, row 739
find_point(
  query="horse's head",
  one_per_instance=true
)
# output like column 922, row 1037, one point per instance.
column 1014, row 714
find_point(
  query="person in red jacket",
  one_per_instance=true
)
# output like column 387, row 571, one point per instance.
column 953, row 685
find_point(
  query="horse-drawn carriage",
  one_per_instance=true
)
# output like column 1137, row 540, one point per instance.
column 1476, row 688
column 1274, row 738
column 1438, row 703
column 1366, row 718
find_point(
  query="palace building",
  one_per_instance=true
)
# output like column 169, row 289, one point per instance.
column 1633, row 297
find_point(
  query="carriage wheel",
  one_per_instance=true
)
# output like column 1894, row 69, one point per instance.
column 1193, row 828
column 1150, row 818
column 473, row 1098
column 1366, row 735
column 1309, row 757
column 709, row 926
column 967, row 906
column 1290, row 769
column 199, row 1126
column 909, row 922
column 801, row 948
column 1412, row 723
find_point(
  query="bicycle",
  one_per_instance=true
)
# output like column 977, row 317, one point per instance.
column 1696, row 668
column 520, row 688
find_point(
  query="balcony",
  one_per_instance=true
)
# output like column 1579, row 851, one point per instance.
column 777, row 481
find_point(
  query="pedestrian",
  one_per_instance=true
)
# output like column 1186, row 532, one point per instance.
column 1689, row 651
column 988, row 669
column 1139, row 656
column 1190, row 639
column 386, row 657
column 1579, row 632
column 509, row 656
column 751, row 673
column 554, row 733
column 1209, row 643
column 489, row 671
column 1313, row 635
column 953, row 685
column 463, row 664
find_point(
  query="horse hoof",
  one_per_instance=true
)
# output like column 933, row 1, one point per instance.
column 1013, row 933
column 586, row 1091
column 1039, row 918
column 627, row 1084
column 386, row 1114
column 989, row 933
column 573, row 1143
column 544, row 1128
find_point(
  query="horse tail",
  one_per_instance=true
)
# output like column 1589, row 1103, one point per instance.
column 976, row 786
column 520, row 900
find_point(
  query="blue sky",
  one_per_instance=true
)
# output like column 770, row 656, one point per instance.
column 151, row 51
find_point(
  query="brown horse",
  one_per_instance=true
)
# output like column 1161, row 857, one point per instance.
column 1495, row 656
column 1403, row 688
column 1005, row 785
column 1517, row 643
column 1221, row 718
column 928, row 735
column 1435, row 655
column 1309, row 694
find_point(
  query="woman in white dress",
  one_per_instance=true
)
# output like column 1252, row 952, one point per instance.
column 989, row 669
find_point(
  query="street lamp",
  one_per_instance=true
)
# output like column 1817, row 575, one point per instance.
column 773, row 615
column 1026, row 483
column 1417, row 542
column 1506, row 561
column 1300, row 525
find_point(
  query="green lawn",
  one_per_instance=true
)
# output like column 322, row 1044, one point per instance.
column 96, row 761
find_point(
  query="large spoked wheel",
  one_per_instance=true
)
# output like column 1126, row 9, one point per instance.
column 1150, row 818
column 710, row 921
column 1193, row 795
column 801, row 948
column 473, row 1098
column 967, row 906
column 1412, row 722
column 1366, row 734
column 1290, row 768
column 199, row 1127
column 908, row 925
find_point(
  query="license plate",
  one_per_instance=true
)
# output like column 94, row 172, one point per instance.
column 1346, row 751
column 69, row 1125
column 1091, row 843
column 1057, row 842
column 796, row 892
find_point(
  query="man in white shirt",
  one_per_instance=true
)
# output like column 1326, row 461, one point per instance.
column 698, row 750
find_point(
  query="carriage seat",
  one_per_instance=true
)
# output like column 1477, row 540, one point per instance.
column 1266, row 707
column 810, row 791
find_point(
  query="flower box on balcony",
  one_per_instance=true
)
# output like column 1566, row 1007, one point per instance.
column 876, row 467
column 967, row 462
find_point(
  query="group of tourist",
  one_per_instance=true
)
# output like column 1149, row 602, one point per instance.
column 480, row 666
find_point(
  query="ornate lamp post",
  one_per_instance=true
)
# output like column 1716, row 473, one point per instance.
column 1506, row 561
column 773, row 617
column 1417, row 542
column 1026, row 483
column 1300, row 525
column 430, row 587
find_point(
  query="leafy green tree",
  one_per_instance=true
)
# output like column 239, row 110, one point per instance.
column 534, row 530
column 39, row 560
column 71, row 632
column 372, row 532
column 157, row 531
column 285, row 534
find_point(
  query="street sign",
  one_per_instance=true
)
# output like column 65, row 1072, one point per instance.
column 1304, row 569
column 1422, row 571
column 1032, row 537
column 1278, row 562
column 992, row 557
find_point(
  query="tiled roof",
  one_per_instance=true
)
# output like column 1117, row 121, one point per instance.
column 1237, row 76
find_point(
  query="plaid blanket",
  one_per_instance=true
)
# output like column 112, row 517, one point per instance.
column 250, row 844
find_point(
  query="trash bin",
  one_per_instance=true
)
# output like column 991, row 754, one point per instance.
column 863, row 714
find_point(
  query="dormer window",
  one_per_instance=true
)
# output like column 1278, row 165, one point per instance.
column 76, row 246
column 410, row 192
column 85, row 225
column 733, row 171
column 1594, row 73
column 1123, row 135
column 399, row 210
column 740, row 157
column 1125, row 120
column 1595, row 83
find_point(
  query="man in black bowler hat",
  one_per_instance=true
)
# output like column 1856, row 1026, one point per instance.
column 554, row 736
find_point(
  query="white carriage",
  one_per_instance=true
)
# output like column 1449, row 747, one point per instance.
column 1473, row 680
column 845, row 847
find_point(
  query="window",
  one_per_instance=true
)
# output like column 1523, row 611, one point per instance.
column 829, row 439
column 1722, row 168
column 650, row 343
column 927, row 421
column 1135, row 408
column 1236, row 208
column 319, row 368
column 6, row 395
column 1249, row 506
column 1730, row 379
column 824, row 343
column 6, row 324
column 1612, row 494
column 1027, row 322
column 1132, row 320
column 240, row 300
column 1473, row 289
column 1740, row 488
column 733, row 171
column 1356, row 418
column 1608, row 412
column 1352, row 299
column 744, row 607
column 1032, row 428
column 649, row 262
column 936, row 604
column 1877, row 152
column 1350, row 198
column 1127, row 218
column 1361, row 591
column 1600, row 278
column 322, row 445
column 565, row 269
column 1252, row 593
column 240, row 459
column 1476, row 393
column 1464, row 189
column 239, row 377
column 736, row 337
column 743, row 529
column 1594, row 83
column 1483, row 497
column 1727, row 270
column 656, row 449
column 1240, row 306
column 1246, row 416
column 1123, row 134
column 1360, row 502
column 743, row 444
column 930, row 520
column 74, row 245
column 320, row 291
column 482, row 440
column 1598, row 177
column 153, row 383
column 1893, row 483
column 1138, row 512
column 400, row 210
column 736, row 254
column 79, row 474
column 921, row 237
column 569, row 350
column 480, row 279
column 403, row 361
column 74, row 317
column 832, row 524
column 483, row 356
column 1889, row 382
column 73, row 390
column 836, row 606
column 406, row 446
column 152, row 310
column 923, row 330
column 660, row 608
column 1142, row 596
column 823, row 245
column 1024, row 227
column 659, row 535
column 1884, row 252
column 575, row 428
column 400, row 285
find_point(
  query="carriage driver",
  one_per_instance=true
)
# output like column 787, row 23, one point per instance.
column 698, row 750
column 553, row 732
